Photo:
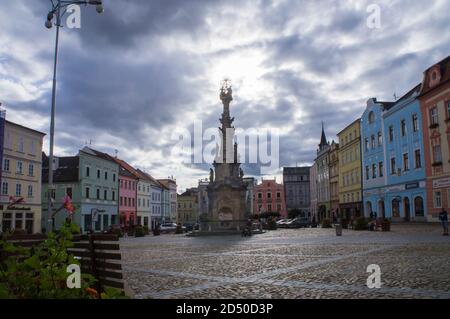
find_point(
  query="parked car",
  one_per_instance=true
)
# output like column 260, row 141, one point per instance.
column 298, row 223
column 168, row 227
column 190, row 227
column 282, row 222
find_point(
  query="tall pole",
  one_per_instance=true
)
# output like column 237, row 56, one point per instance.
column 52, row 124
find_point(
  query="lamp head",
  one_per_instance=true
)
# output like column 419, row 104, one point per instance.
column 99, row 8
column 48, row 24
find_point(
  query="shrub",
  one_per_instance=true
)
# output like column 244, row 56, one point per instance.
column 139, row 231
column 179, row 229
column 360, row 224
column 326, row 223
column 344, row 223
column 386, row 225
column 272, row 224
column 146, row 230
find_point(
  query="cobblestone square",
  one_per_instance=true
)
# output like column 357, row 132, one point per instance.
column 290, row 263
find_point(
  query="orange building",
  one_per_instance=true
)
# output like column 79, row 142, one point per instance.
column 435, row 108
column 269, row 197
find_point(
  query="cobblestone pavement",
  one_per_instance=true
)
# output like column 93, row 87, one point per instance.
column 290, row 263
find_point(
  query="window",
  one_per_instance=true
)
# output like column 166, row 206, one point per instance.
column 98, row 193
column 269, row 195
column 105, row 194
column 114, row 177
column 367, row 173
column 69, row 191
column 106, row 176
column 121, row 201
column 395, row 208
column 31, row 170
column 391, row 133
column 437, row 199
column 278, row 195
column 5, row 188
column 113, row 195
column 415, row 122
column 19, row 168
column 393, row 172
column 21, row 145
column 366, row 143
column 30, row 191
column 403, row 127
column 406, row 162
column 18, row 189
column 417, row 159
column 6, row 165
column 434, row 116
column 380, row 139
column 98, row 173
column 87, row 192
column 372, row 141
column 269, row 207
column 380, row 169
column 437, row 153
column 139, row 202
column 260, row 195
column 448, row 109
column 87, row 171
column 33, row 148
column 374, row 171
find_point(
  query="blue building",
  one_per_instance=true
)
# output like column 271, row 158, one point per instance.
column 373, row 158
column 405, row 189
column 393, row 159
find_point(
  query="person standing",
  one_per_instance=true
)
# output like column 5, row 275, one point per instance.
column 443, row 217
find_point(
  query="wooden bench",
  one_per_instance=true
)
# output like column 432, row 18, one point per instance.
column 98, row 255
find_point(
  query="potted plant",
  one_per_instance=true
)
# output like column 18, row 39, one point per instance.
column 386, row 225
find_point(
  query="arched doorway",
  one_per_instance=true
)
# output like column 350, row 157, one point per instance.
column 407, row 209
column 395, row 208
column 418, row 206
column 369, row 208
column 381, row 210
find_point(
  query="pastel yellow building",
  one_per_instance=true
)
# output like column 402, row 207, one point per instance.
column 187, row 212
column 350, row 183
column 21, row 179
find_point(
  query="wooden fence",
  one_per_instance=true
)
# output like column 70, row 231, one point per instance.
column 98, row 255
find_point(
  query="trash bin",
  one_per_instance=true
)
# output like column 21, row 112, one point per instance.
column 338, row 230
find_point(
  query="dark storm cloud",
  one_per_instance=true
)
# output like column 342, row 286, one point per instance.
column 126, row 75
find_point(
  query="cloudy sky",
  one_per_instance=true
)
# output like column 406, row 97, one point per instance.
column 130, row 77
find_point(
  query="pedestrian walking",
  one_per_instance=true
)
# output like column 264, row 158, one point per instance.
column 443, row 217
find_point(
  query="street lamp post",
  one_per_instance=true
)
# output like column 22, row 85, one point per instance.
column 57, row 6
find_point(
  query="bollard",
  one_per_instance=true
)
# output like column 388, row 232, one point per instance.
column 338, row 229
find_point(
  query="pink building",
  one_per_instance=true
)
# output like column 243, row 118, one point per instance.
column 128, row 180
column 269, row 197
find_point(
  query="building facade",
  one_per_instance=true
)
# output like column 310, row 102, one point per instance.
column 250, row 196
column 334, row 178
column 128, row 183
column 144, row 196
column 373, row 158
column 297, row 188
column 202, row 197
column 269, row 198
column 91, row 180
column 323, row 178
column 171, row 184
column 21, row 178
column 350, row 184
column 405, row 192
column 435, row 109
column 313, row 192
column 188, row 207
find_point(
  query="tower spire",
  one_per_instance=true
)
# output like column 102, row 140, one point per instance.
column 323, row 138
